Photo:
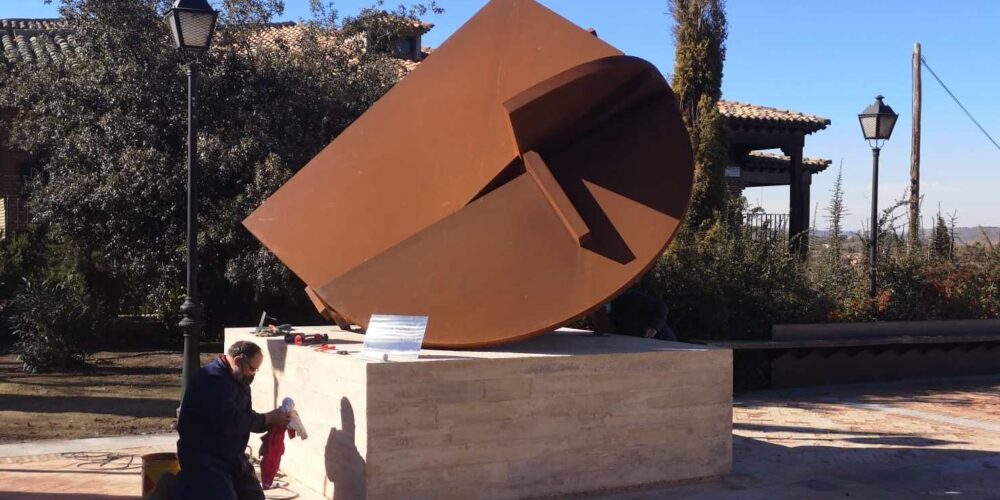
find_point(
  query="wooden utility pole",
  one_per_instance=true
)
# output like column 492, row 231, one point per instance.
column 915, row 154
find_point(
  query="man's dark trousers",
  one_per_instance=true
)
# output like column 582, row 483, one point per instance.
column 215, row 424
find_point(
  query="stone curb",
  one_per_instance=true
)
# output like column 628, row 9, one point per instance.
column 57, row 447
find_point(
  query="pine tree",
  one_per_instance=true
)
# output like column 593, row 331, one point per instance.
column 700, row 31
column 941, row 239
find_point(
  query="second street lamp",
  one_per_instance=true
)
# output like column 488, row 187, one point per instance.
column 192, row 24
column 877, row 122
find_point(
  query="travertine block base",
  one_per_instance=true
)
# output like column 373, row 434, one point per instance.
column 563, row 413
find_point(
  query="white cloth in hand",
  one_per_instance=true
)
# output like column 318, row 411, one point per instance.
column 288, row 406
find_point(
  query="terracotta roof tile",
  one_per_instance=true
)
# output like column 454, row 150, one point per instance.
column 32, row 24
column 44, row 41
column 41, row 41
column 23, row 49
column 278, row 35
column 759, row 160
column 288, row 35
column 418, row 28
column 752, row 115
column 9, row 47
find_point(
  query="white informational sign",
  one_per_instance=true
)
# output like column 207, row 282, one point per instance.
column 391, row 338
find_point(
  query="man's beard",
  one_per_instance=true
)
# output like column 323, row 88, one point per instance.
column 247, row 379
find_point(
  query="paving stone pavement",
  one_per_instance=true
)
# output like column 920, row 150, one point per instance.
column 94, row 474
column 912, row 439
column 915, row 439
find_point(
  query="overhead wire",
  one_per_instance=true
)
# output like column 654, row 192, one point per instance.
column 950, row 93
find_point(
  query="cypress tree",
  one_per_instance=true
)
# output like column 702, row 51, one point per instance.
column 700, row 31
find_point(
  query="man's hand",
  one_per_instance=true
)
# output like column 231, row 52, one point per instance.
column 277, row 417
column 650, row 333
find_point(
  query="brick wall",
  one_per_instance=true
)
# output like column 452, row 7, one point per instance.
column 13, row 207
column 10, row 171
column 13, row 214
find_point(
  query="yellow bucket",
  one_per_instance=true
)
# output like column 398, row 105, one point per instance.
column 159, row 471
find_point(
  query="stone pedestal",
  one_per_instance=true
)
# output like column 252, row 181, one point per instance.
column 564, row 413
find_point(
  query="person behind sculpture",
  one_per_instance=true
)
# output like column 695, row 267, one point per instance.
column 636, row 314
column 641, row 315
column 214, row 425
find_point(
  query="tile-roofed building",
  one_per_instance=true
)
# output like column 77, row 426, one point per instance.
column 408, row 47
column 46, row 41
column 752, row 116
column 752, row 129
column 30, row 41
column 775, row 163
column 763, row 169
column 287, row 35
column 279, row 35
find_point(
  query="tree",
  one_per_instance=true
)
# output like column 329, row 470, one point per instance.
column 833, row 277
column 941, row 239
column 700, row 31
column 108, row 129
column 835, row 213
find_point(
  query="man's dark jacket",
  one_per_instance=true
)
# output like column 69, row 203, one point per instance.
column 214, row 425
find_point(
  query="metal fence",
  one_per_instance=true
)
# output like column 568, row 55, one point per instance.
column 765, row 226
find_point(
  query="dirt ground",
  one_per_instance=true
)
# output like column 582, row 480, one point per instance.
column 119, row 393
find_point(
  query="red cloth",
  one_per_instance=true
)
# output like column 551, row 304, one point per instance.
column 271, row 448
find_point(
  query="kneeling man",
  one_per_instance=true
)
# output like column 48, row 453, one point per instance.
column 215, row 424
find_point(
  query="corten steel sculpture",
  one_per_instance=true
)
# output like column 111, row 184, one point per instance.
column 519, row 178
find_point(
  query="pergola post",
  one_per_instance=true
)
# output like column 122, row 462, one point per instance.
column 798, row 199
column 806, row 209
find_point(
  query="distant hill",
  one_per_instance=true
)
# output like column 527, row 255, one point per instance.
column 966, row 235
column 974, row 234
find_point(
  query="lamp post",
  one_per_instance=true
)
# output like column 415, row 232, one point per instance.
column 877, row 121
column 192, row 23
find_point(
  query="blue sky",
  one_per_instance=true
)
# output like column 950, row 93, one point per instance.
column 823, row 57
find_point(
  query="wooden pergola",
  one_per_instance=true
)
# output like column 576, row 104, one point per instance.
column 753, row 129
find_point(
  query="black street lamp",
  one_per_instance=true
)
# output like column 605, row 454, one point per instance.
column 192, row 23
column 877, row 121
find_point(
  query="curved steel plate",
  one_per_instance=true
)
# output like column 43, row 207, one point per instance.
column 523, row 175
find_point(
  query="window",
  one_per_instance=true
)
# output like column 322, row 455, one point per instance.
column 408, row 48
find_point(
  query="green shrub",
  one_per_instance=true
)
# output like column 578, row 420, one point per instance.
column 936, row 281
column 51, row 321
column 725, row 284
column 21, row 255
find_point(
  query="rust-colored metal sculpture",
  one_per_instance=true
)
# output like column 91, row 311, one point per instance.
column 520, row 177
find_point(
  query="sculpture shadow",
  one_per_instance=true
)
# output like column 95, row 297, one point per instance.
column 345, row 467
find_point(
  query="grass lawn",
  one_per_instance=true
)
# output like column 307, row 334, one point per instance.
column 121, row 392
